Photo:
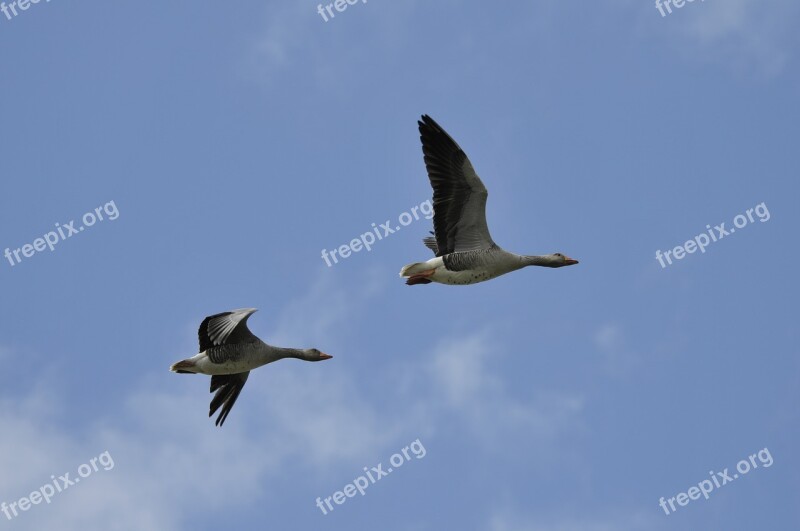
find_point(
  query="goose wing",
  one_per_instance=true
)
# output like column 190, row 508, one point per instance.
column 459, row 196
column 225, row 328
column 228, row 387
column 430, row 243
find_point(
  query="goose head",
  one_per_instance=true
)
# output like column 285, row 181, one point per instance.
column 550, row 260
column 313, row 354
column 561, row 260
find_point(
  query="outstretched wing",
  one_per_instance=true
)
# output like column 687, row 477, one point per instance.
column 459, row 196
column 228, row 387
column 225, row 328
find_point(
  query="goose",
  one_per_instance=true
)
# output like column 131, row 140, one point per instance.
column 465, row 252
column 228, row 352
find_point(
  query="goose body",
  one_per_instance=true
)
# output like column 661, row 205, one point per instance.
column 464, row 249
column 228, row 352
column 467, row 267
column 231, row 359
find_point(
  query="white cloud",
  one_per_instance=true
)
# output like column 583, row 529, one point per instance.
column 459, row 369
column 170, row 460
column 295, row 34
column 748, row 35
column 282, row 34
column 510, row 521
column 608, row 337
column 464, row 383
column 610, row 341
column 746, row 32
column 316, row 316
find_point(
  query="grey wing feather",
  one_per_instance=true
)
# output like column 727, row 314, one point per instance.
column 230, row 352
column 225, row 328
column 430, row 243
column 459, row 196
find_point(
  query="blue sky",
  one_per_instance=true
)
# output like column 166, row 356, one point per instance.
column 238, row 141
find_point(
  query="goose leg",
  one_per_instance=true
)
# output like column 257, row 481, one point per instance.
column 420, row 278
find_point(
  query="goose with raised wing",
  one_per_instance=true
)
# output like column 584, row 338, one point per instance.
column 465, row 252
column 228, row 352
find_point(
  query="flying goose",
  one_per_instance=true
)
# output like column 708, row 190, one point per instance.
column 465, row 252
column 228, row 352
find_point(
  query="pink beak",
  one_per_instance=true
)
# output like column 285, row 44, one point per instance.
column 324, row 356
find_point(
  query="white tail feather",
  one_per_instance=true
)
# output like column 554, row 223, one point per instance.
column 184, row 366
column 413, row 269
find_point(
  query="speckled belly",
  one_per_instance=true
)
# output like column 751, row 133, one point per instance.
column 460, row 278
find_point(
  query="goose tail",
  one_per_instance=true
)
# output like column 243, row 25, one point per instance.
column 414, row 269
column 184, row 367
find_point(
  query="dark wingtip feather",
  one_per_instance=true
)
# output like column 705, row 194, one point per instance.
column 227, row 387
column 426, row 123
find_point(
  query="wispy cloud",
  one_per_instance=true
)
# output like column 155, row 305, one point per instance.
column 745, row 32
column 171, row 460
column 611, row 342
column 751, row 36
column 512, row 521
column 294, row 34
column 465, row 383
column 314, row 417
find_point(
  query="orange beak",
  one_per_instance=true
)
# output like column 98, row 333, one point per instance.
column 570, row 261
column 324, row 356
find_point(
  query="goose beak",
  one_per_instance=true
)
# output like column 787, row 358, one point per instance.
column 324, row 356
column 570, row 261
